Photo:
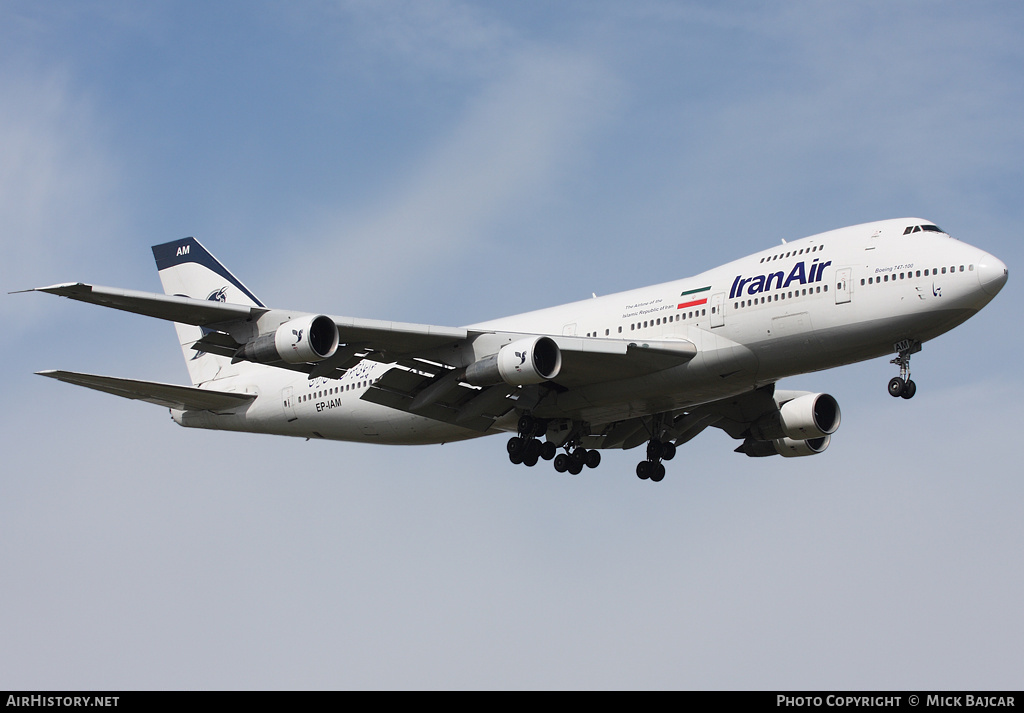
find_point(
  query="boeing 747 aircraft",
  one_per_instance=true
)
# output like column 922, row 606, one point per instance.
column 653, row 366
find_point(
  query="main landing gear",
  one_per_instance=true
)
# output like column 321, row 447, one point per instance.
column 528, row 449
column 902, row 385
column 653, row 468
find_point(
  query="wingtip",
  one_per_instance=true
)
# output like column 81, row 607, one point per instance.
column 62, row 288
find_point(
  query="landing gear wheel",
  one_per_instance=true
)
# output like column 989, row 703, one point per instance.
column 515, row 445
column 516, row 458
column 644, row 469
column 530, row 460
column 530, row 426
column 575, row 466
column 532, row 449
column 909, row 389
column 668, row 451
column 579, row 456
column 655, row 449
column 897, row 386
column 561, row 462
column 657, row 472
column 593, row 458
column 547, row 450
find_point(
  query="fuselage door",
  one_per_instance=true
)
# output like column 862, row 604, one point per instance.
column 288, row 398
column 718, row 310
column 844, row 285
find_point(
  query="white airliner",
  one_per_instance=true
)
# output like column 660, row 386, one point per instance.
column 656, row 365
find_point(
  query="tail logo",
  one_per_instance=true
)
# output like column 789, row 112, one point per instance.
column 215, row 296
column 298, row 336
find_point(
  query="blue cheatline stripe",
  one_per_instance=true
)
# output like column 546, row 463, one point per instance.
column 179, row 252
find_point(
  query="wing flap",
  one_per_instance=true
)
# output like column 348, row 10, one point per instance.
column 459, row 404
column 168, row 395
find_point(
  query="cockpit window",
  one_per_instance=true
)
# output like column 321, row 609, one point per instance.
column 926, row 228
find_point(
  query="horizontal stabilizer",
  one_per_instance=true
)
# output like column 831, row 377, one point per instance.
column 184, row 398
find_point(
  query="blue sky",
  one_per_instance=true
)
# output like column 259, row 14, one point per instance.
column 450, row 162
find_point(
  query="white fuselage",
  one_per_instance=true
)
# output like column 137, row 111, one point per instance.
column 811, row 304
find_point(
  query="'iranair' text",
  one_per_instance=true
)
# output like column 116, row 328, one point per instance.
column 800, row 274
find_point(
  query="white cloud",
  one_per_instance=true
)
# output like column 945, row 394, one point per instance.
column 514, row 141
column 58, row 183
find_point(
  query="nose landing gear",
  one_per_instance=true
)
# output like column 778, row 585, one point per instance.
column 902, row 385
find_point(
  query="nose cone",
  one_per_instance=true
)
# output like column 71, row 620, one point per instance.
column 992, row 274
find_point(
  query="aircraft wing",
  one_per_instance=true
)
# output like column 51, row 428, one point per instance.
column 589, row 360
column 427, row 358
column 168, row 395
column 377, row 335
column 595, row 360
column 438, row 391
column 170, row 307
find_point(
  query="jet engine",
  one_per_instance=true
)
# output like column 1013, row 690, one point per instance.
column 297, row 341
column 811, row 416
column 528, row 361
column 786, row 447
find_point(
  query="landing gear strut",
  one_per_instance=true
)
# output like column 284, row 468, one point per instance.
column 653, row 468
column 902, row 385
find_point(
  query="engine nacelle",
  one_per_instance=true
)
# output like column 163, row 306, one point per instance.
column 786, row 447
column 811, row 416
column 298, row 341
column 528, row 361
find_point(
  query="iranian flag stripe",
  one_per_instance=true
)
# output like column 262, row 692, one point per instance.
column 693, row 292
column 684, row 305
